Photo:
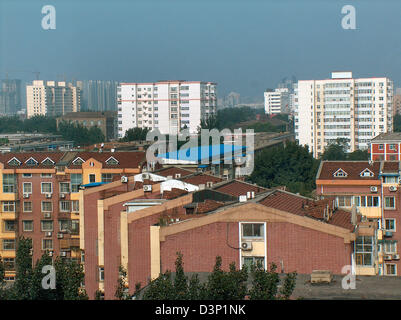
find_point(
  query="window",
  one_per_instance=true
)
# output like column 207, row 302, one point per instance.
column 46, row 225
column 8, row 206
column 47, row 162
column 64, row 225
column 366, row 173
column 101, row 273
column 47, row 206
column 27, row 225
column 8, row 244
column 75, row 226
column 107, row 177
column 340, row 173
column 27, row 206
column 75, row 205
column 390, row 247
column 391, row 269
column 392, row 147
column 381, row 146
column 9, row 226
column 344, row 201
column 76, row 180
column 47, row 244
column 390, row 179
column 252, row 230
column 256, row 261
column 14, row 162
column 92, row 178
column 389, row 202
column 65, row 206
column 46, row 187
column 390, row 224
column 27, row 187
column 78, row 161
column 27, row 175
column 64, row 187
column 45, row 175
column 367, row 201
column 9, row 183
column 364, row 251
column 31, row 162
column 112, row 161
column 9, row 264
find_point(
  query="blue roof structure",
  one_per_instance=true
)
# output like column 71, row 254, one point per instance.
column 93, row 184
column 199, row 153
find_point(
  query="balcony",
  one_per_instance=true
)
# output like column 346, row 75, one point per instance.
column 66, row 244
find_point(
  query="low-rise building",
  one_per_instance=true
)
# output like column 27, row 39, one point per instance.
column 386, row 146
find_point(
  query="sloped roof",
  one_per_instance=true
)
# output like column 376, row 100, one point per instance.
column 237, row 188
column 352, row 168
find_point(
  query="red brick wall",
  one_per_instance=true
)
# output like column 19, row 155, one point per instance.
column 200, row 246
column 303, row 250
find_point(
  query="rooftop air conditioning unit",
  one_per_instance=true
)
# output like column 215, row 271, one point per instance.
column 48, row 195
column 373, row 189
column 242, row 198
column 396, row 257
column 246, row 245
column 124, row 179
column 393, row 188
column 147, row 187
column 47, row 215
column 60, row 236
column 63, row 254
column 178, row 175
column 49, row 234
column 26, row 195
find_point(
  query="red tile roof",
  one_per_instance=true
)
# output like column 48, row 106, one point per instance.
column 352, row 168
column 390, row 166
column 301, row 206
column 208, row 205
column 172, row 171
column 174, row 193
column 201, row 178
column 24, row 156
column 237, row 188
column 129, row 159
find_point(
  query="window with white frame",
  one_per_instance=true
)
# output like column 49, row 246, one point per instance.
column 46, row 225
column 389, row 202
column 75, row 226
column 46, row 187
column 47, row 206
column 8, row 206
column 390, row 179
column 75, row 205
column 367, row 201
column 10, row 226
column 76, row 181
column 45, row 175
column 8, row 244
column 27, row 175
column 65, row 206
column 27, row 206
column 364, row 251
column 390, row 247
column 391, row 269
column 344, row 201
column 47, row 244
column 27, row 225
column 255, row 261
column 64, row 225
column 64, row 187
column 27, row 187
column 390, row 224
column 9, row 183
column 252, row 230
column 101, row 273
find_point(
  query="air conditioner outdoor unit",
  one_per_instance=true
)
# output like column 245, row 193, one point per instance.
column 246, row 245
column 48, row 195
column 373, row 189
column 388, row 234
column 147, row 187
column 31, row 251
column 387, row 257
column 62, row 195
column 48, row 234
column 47, row 215
column 124, row 179
column 393, row 188
column 50, row 253
column 145, row 176
column 26, row 195
column 396, row 257
column 178, row 175
column 63, row 254
column 60, row 236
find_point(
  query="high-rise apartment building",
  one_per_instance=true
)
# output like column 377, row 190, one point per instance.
column 165, row 105
column 277, row 101
column 52, row 98
column 98, row 95
column 10, row 96
column 342, row 107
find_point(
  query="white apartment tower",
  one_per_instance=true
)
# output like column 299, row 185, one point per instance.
column 166, row 105
column 277, row 101
column 52, row 98
column 342, row 107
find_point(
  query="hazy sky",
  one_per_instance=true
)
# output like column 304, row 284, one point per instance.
column 245, row 46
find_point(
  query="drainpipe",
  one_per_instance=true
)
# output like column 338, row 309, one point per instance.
column 382, row 221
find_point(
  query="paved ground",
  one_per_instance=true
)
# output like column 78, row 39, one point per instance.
column 367, row 287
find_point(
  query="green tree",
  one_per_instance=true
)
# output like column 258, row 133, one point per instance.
column 291, row 165
column 160, row 288
column 24, row 270
column 121, row 290
column 135, row 134
column 336, row 151
column 397, row 123
column 265, row 284
column 180, row 280
column 358, row 155
column 37, row 292
column 69, row 279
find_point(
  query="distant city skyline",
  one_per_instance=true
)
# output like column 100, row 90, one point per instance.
column 245, row 47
